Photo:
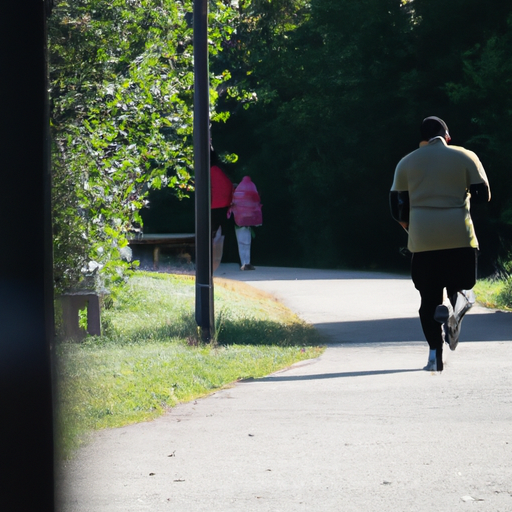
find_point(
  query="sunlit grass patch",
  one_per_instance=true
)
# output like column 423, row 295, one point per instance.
column 149, row 358
column 494, row 293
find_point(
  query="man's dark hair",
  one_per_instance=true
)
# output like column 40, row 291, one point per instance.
column 432, row 127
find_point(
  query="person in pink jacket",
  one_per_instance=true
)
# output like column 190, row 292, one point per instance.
column 246, row 209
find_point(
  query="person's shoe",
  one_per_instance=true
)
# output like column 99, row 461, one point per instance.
column 441, row 313
column 435, row 361
column 451, row 323
column 465, row 301
column 247, row 266
column 431, row 366
column 451, row 332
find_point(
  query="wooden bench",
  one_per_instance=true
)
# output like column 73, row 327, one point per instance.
column 159, row 240
column 72, row 302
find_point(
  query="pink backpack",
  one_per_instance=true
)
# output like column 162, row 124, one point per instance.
column 246, row 206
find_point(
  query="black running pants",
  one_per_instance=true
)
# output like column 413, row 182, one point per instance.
column 432, row 272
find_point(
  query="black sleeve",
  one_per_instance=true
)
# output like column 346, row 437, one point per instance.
column 479, row 193
column 399, row 205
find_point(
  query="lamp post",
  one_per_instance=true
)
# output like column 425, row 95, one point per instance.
column 204, row 281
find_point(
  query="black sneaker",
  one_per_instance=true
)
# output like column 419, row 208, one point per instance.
column 441, row 313
column 451, row 332
column 446, row 316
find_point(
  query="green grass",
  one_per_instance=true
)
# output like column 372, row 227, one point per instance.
column 149, row 357
column 494, row 293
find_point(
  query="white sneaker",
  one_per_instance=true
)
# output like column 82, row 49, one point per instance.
column 435, row 361
column 431, row 366
column 465, row 301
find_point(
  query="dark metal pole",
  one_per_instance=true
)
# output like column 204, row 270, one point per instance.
column 26, row 282
column 204, row 281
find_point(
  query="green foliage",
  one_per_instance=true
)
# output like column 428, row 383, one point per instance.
column 321, row 139
column 122, row 98
column 495, row 293
column 337, row 99
column 505, row 295
column 318, row 100
column 485, row 93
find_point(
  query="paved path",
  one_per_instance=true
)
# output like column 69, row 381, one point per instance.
column 361, row 428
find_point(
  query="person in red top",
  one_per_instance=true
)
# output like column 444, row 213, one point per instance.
column 221, row 186
column 221, row 198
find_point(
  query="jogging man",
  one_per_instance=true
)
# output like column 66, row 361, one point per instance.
column 430, row 197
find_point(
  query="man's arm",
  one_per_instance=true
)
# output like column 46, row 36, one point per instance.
column 480, row 193
column 399, row 206
column 479, row 184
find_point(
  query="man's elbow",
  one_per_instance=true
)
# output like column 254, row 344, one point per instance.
column 399, row 205
column 480, row 193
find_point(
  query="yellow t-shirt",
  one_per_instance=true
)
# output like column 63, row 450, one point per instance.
column 437, row 178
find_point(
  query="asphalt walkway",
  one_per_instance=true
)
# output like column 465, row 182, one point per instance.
column 362, row 428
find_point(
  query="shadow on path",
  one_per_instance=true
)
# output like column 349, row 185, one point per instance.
column 488, row 326
column 340, row 375
column 232, row 271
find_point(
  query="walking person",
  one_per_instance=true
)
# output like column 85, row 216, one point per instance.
column 246, row 209
column 431, row 195
column 221, row 198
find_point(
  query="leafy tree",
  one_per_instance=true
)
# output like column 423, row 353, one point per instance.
column 327, row 86
column 318, row 99
column 337, row 101
column 482, row 95
column 122, row 99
